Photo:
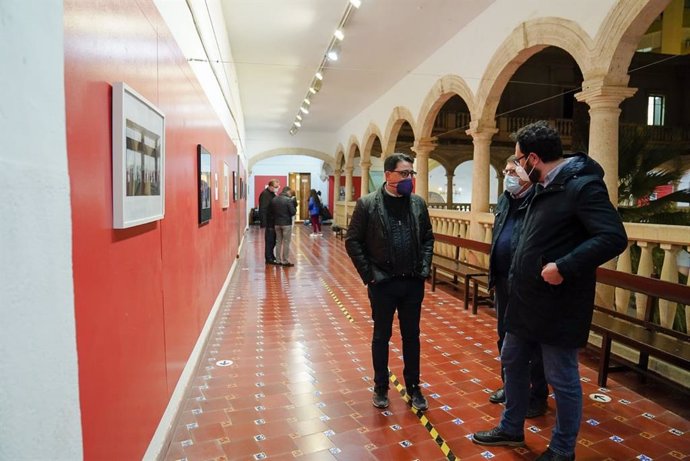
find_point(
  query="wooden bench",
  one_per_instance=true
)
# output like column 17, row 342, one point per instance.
column 340, row 231
column 474, row 278
column 642, row 334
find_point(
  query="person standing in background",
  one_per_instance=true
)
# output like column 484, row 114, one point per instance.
column 266, row 220
column 283, row 210
column 315, row 213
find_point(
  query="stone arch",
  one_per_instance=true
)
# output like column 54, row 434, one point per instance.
column 353, row 147
column 290, row 151
column 525, row 41
column 444, row 89
column 398, row 116
column 339, row 156
column 370, row 136
column 617, row 39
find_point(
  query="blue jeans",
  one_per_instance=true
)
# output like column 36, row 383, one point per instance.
column 561, row 369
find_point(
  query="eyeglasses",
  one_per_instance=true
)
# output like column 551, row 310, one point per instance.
column 405, row 173
column 517, row 159
column 509, row 173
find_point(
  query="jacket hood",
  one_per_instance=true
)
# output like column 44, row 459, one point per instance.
column 582, row 165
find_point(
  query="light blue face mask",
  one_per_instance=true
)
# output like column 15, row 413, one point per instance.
column 512, row 184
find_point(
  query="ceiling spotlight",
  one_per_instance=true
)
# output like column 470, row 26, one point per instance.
column 293, row 130
column 332, row 55
column 306, row 101
column 312, row 90
column 356, row 3
column 297, row 124
column 298, row 117
column 318, row 75
column 339, row 34
column 304, row 110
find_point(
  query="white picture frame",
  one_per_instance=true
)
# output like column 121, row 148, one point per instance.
column 138, row 159
column 226, row 185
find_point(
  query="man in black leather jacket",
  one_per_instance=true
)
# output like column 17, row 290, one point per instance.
column 391, row 244
column 569, row 230
column 266, row 218
column 510, row 212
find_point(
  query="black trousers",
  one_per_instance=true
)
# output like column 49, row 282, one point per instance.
column 539, row 390
column 269, row 243
column 404, row 295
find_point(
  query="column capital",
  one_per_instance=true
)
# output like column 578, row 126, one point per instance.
column 423, row 147
column 349, row 170
column 481, row 132
column 599, row 95
column 365, row 164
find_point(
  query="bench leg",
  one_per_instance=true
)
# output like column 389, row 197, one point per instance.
column 466, row 293
column 643, row 363
column 604, row 359
column 475, row 295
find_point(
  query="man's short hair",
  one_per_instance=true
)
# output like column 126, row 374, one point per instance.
column 391, row 162
column 273, row 182
column 540, row 138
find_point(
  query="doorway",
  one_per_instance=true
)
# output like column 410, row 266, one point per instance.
column 301, row 184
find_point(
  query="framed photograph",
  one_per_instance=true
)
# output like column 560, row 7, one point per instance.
column 138, row 159
column 241, row 188
column 204, row 165
column 226, row 185
column 234, row 187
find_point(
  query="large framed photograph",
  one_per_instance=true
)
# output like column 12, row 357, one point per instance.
column 204, row 168
column 138, row 159
column 226, row 185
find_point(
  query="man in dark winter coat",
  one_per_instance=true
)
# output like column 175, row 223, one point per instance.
column 391, row 244
column 267, row 223
column 510, row 211
column 569, row 230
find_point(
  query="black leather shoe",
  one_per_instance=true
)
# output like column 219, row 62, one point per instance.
column 499, row 396
column 497, row 437
column 549, row 455
column 273, row 262
column 537, row 409
column 380, row 398
column 288, row 264
column 417, row 400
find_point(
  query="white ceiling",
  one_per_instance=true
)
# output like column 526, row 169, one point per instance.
column 277, row 45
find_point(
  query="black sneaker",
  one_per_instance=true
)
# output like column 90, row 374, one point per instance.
column 499, row 396
column 380, row 398
column 417, row 400
column 549, row 455
column 497, row 437
column 537, row 409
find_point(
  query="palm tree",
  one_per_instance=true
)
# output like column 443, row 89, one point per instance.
column 641, row 169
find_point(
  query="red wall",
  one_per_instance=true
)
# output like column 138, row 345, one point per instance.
column 260, row 183
column 356, row 184
column 142, row 294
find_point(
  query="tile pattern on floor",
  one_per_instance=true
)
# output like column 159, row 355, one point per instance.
column 286, row 375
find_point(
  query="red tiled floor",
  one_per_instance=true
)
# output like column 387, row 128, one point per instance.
column 299, row 387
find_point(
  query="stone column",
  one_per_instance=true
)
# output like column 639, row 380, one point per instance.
column 481, row 138
column 348, row 183
column 364, row 189
column 604, row 102
column 450, row 175
column 336, row 186
column 422, row 149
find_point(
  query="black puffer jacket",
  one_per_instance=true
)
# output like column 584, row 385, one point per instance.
column 572, row 223
column 368, row 241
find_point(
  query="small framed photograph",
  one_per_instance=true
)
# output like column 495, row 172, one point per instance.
column 138, row 159
column 226, row 185
column 204, row 165
column 234, row 186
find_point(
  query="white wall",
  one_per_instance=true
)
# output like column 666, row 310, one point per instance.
column 39, row 390
column 282, row 165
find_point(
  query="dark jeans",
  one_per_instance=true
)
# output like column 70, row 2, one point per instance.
column 315, row 223
column 270, row 243
column 539, row 390
column 404, row 295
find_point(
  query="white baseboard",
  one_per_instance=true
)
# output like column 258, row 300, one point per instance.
column 161, row 438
